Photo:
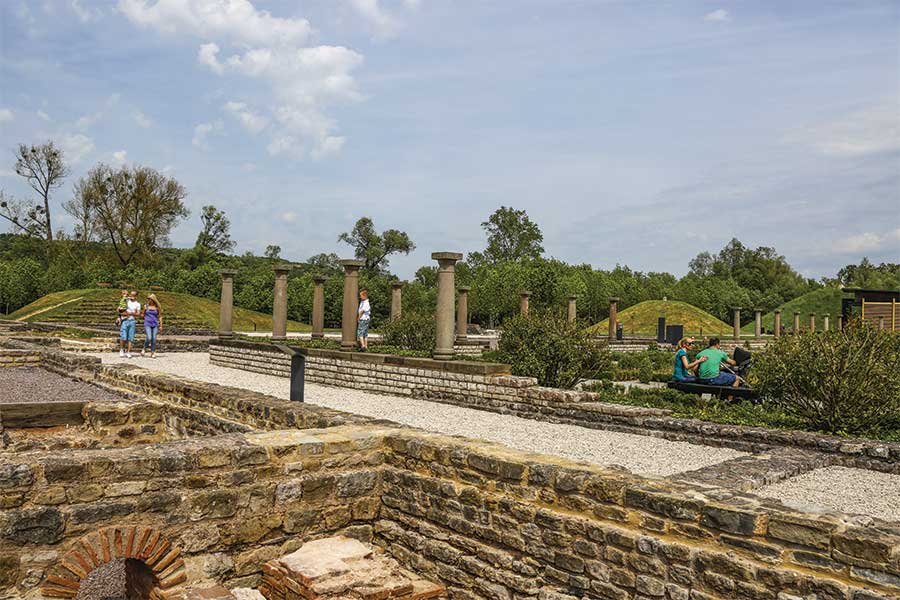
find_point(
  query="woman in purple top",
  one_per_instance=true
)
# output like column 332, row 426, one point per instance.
column 152, row 324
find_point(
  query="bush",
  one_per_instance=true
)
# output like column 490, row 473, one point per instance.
column 839, row 382
column 412, row 331
column 556, row 352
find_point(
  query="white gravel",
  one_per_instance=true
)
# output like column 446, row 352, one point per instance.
column 640, row 454
column 840, row 489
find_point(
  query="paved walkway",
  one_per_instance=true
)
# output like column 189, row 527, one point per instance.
column 641, row 454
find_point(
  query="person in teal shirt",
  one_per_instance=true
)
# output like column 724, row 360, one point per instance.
column 710, row 371
column 684, row 368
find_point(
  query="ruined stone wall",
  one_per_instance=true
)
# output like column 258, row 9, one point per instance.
column 494, row 523
column 19, row 358
column 227, row 505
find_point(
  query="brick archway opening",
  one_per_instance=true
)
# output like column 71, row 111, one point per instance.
column 139, row 560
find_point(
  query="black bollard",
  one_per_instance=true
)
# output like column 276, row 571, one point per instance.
column 298, row 371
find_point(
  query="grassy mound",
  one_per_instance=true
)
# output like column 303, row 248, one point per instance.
column 641, row 319
column 98, row 307
column 821, row 302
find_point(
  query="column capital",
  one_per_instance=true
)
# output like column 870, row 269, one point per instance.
column 398, row 284
column 319, row 279
column 736, row 308
column 827, row 315
column 573, row 296
column 812, row 314
column 464, row 289
column 797, row 312
column 614, row 299
column 525, row 293
column 757, row 310
column 451, row 257
column 282, row 268
column 351, row 264
column 777, row 311
column 227, row 273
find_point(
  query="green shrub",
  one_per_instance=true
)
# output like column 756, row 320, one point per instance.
column 412, row 331
column 548, row 347
column 839, row 382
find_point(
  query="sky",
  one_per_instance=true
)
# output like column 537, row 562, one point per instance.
column 633, row 133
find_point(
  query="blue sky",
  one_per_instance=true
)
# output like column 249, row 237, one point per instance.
column 637, row 133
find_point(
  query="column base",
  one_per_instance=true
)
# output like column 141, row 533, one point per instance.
column 317, row 336
column 278, row 338
column 442, row 355
column 461, row 339
column 226, row 334
column 348, row 347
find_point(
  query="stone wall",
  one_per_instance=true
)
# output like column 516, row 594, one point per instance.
column 19, row 358
column 494, row 523
column 227, row 504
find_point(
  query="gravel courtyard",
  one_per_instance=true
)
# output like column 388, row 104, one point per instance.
column 32, row 384
column 641, row 454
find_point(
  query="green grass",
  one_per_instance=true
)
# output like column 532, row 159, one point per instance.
column 197, row 310
column 822, row 302
column 641, row 319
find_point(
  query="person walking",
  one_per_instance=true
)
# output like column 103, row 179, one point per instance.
column 126, row 329
column 152, row 324
column 364, row 316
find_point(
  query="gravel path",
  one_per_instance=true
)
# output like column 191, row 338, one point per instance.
column 106, row 582
column 33, row 384
column 841, row 489
column 640, row 454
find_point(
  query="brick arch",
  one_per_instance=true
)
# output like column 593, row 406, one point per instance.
column 109, row 543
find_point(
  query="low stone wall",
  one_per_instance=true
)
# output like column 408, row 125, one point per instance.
column 19, row 358
column 490, row 522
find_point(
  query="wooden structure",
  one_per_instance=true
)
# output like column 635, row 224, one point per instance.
column 880, row 307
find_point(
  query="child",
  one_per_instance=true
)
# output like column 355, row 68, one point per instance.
column 365, row 314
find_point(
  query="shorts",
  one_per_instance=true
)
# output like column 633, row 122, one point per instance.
column 362, row 330
column 723, row 378
column 126, row 330
column 686, row 379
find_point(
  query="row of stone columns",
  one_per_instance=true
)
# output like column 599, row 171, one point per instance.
column 826, row 323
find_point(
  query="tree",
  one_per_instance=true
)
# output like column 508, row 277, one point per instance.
column 373, row 248
column 215, row 237
column 79, row 208
column 512, row 236
column 134, row 208
column 326, row 263
column 26, row 218
column 272, row 252
column 44, row 169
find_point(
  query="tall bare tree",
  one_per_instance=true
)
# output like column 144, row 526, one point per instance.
column 134, row 208
column 44, row 169
column 80, row 208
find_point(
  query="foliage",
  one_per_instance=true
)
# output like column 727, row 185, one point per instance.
column 885, row 276
column 135, row 208
column 215, row 236
column 44, row 169
column 272, row 252
column 412, row 331
column 546, row 346
column 641, row 319
column 512, row 236
column 823, row 301
column 836, row 381
column 374, row 248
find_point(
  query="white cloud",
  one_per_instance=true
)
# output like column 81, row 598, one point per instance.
column 865, row 242
column 383, row 24
column 207, row 55
column 6, row 115
column 251, row 121
column 289, row 217
column 203, row 130
column 248, row 167
column 75, row 147
column 867, row 131
column 88, row 120
column 85, row 14
column 717, row 16
column 118, row 158
column 41, row 114
column 305, row 81
column 143, row 120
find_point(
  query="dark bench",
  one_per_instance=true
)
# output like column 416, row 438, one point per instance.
column 718, row 391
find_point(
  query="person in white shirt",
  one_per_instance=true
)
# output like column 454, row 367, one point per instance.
column 364, row 316
column 126, row 329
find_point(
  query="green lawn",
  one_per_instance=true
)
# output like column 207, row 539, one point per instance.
column 641, row 319
column 184, row 307
column 821, row 302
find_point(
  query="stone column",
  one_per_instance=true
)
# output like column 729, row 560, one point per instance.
column 523, row 302
column 812, row 321
column 796, row 322
column 737, row 322
column 881, row 322
column 462, row 314
column 396, row 298
column 757, row 330
column 825, row 324
column 351, row 303
column 573, row 308
column 777, row 322
column 318, row 308
column 443, row 344
column 279, row 305
column 613, row 316
column 226, row 302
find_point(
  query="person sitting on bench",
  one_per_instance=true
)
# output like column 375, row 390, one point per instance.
column 709, row 372
column 683, row 368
